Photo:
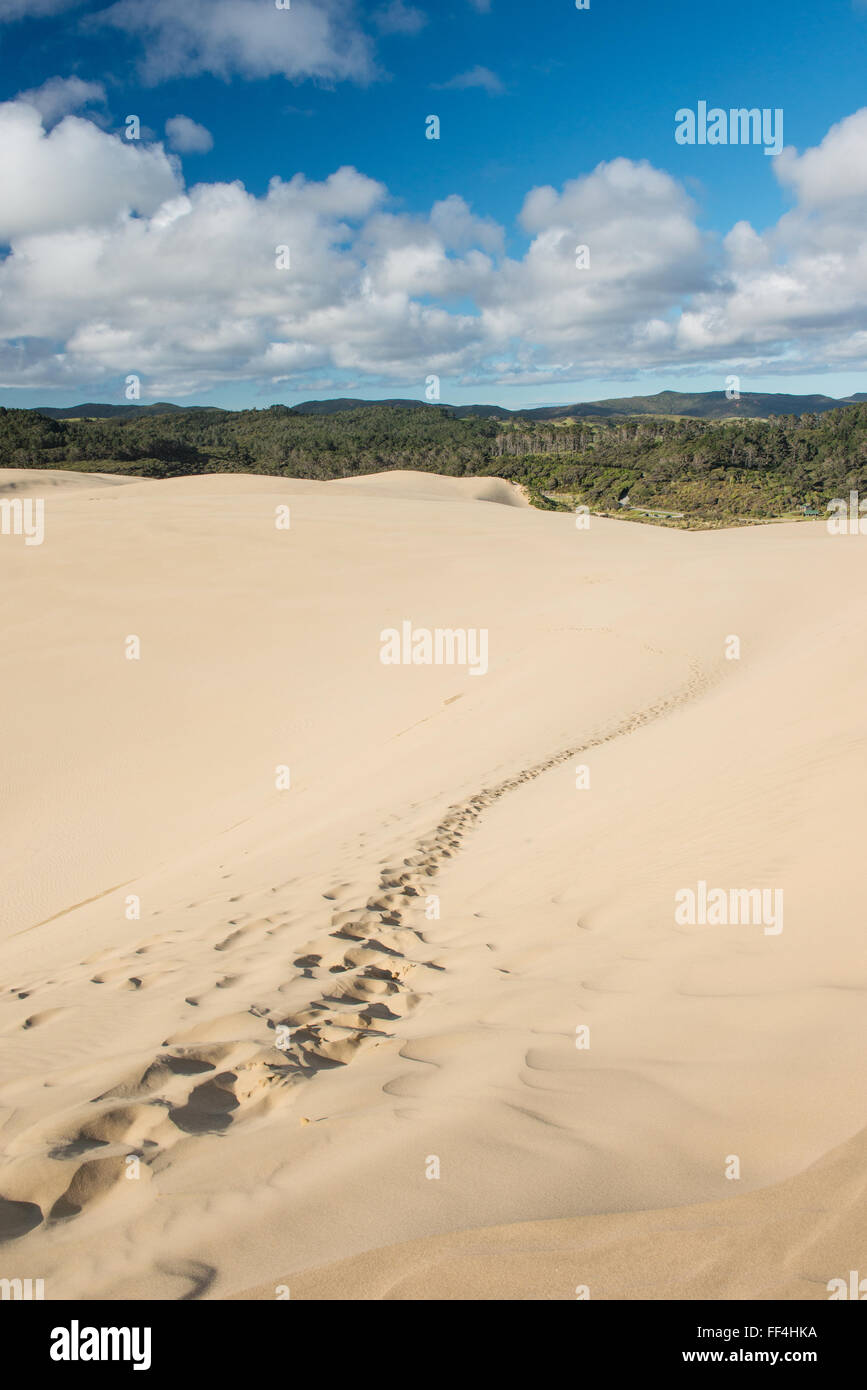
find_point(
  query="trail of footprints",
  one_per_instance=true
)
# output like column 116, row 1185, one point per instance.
column 367, row 972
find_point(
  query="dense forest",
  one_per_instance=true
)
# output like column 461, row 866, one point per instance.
column 712, row 472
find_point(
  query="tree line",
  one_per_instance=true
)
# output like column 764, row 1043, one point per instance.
column 741, row 468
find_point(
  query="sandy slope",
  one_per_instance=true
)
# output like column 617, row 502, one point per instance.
column 36, row 482
column 776, row 1243
column 268, row 1159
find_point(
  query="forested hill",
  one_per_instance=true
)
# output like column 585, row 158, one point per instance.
column 712, row 472
column 699, row 405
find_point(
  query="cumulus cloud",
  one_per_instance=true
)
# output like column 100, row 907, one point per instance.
column 797, row 291
column 76, row 175
column 611, row 255
column 319, row 39
column 187, row 136
column 115, row 266
column 834, row 171
column 476, row 77
column 60, row 95
column 453, row 221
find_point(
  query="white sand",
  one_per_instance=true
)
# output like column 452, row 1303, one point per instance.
column 415, row 1037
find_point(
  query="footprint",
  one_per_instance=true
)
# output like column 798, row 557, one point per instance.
column 208, row 1110
column 93, row 1180
column 17, row 1218
column 46, row 1016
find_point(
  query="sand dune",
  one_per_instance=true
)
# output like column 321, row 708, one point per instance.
column 432, row 487
column 323, row 1036
column 36, row 482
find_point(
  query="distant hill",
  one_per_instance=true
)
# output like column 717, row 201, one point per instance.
column 699, row 405
column 93, row 411
column 488, row 412
column 352, row 403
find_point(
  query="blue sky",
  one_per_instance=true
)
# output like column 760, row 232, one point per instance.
column 527, row 96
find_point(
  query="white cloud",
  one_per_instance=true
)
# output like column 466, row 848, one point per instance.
column 453, row 221
column 476, row 77
column 833, row 172
column 646, row 254
column 801, row 286
column 60, row 95
column 116, row 267
column 187, row 136
column 76, row 175
column 318, row 39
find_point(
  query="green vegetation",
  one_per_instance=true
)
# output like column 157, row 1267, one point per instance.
column 715, row 473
